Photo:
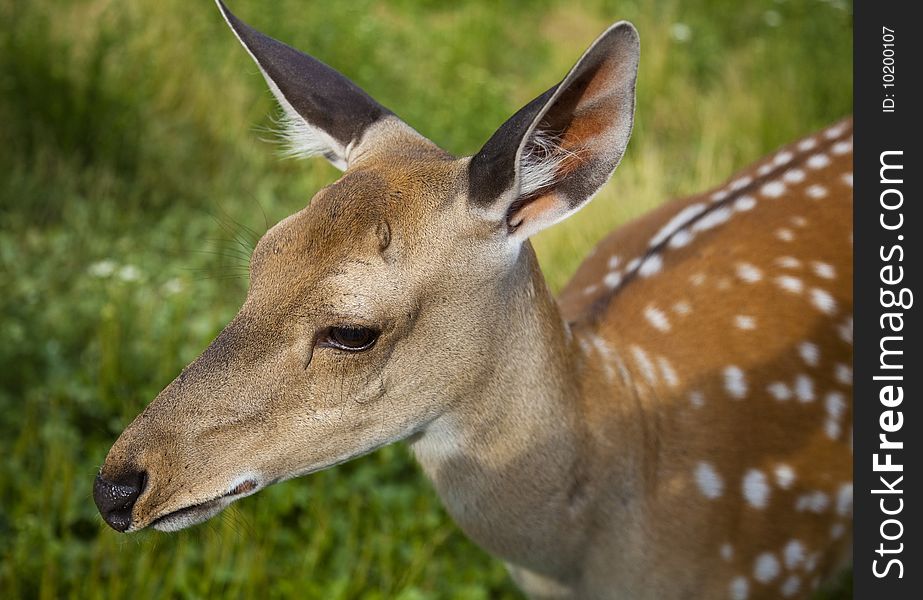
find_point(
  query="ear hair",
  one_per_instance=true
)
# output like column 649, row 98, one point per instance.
column 298, row 139
column 323, row 111
column 541, row 161
column 549, row 159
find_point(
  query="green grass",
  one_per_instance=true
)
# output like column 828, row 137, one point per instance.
column 132, row 176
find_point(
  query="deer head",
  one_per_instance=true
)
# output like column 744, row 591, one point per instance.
column 382, row 304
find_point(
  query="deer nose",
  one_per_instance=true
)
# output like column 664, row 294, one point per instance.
column 115, row 499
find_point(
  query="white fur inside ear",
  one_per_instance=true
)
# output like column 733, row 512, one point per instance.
column 540, row 162
column 299, row 138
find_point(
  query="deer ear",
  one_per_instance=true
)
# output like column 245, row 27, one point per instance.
column 552, row 156
column 324, row 112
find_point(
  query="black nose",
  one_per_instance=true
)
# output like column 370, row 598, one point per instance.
column 115, row 499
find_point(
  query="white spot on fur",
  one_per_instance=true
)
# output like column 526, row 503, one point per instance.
column 741, row 183
column 668, row 372
column 727, row 551
column 680, row 239
column 837, row 531
column 766, row 567
column 835, row 131
column 810, row 565
column 841, row 148
column 816, row 191
column 785, row 234
column 590, row 289
column 823, row 301
column 710, row 483
column 790, row 284
column 633, row 264
column 712, row 219
column 602, row 347
column 799, row 221
column 773, row 189
column 657, row 318
column 612, row 280
column 847, row 179
column 793, row 554
column 651, row 266
column 819, row 502
column 677, row 222
column 810, row 353
column 749, row 273
column 682, row 308
column 843, row 373
column 788, row 262
column 835, row 402
column 605, row 354
column 697, row 279
column 585, row 345
column 804, row 388
column 735, row 382
column 745, row 322
column 740, row 588
column 614, row 261
column 815, row 502
column 807, row 144
column 780, row 391
column 793, row 176
column 697, row 399
column 644, row 363
column 782, row 158
column 785, row 476
column 756, row 488
column 824, row 270
column 790, row 586
column 845, row 330
column 719, row 195
column 744, row 203
column 844, row 500
column 764, row 169
column 818, row 161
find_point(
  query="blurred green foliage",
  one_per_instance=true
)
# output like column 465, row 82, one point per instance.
column 133, row 182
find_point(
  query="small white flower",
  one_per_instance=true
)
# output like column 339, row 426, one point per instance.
column 173, row 286
column 102, row 268
column 129, row 273
column 680, row 32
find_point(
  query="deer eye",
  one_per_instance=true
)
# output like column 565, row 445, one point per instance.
column 351, row 338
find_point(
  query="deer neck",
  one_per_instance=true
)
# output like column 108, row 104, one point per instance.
column 512, row 462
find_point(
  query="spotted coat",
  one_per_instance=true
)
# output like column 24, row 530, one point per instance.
column 729, row 317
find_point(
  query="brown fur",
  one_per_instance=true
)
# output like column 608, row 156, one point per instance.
column 565, row 462
column 563, row 438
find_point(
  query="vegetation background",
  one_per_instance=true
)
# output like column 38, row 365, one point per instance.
column 134, row 181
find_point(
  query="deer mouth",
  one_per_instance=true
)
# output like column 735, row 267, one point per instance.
column 194, row 514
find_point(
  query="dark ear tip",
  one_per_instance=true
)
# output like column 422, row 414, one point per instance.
column 230, row 17
column 225, row 12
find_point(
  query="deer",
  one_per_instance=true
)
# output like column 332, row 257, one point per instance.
column 676, row 423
